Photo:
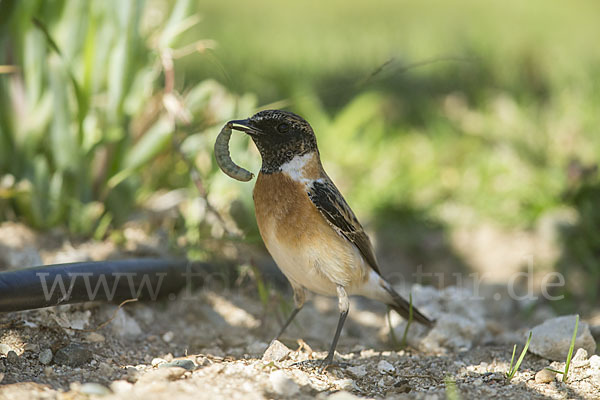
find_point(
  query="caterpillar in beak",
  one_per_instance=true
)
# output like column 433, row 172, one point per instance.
column 223, row 157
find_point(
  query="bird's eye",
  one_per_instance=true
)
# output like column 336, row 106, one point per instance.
column 283, row 127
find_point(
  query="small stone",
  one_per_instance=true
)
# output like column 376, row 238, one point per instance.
column 125, row 326
column 552, row 339
column 341, row 395
column 157, row 361
column 282, row 385
column 4, row 349
column 1, row 376
column 402, row 386
column 45, row 356
column 580, row 355
column 344, row 384
column 95, row 337
column 12, row 357
column 132, row 374
column 478, row 382
column 545, row 376
column 358, row 371
column 162, row 374
column 168, row 336
column 186, row 364
column 32, row 347
column 277, row 351
column 95, row 389
column 580, row 358
column 121, row 386
column 202, row 361
column 105, row 369
column 48, row 372
column 73, row 355
column 385, row 367
column 595, row 361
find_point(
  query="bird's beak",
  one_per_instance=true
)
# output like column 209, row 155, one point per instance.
column 244, row 125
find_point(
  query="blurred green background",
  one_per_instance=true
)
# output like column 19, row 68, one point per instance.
column 440, row 121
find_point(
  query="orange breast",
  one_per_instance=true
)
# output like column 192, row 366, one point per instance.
column 305, row 247
column 283, row 205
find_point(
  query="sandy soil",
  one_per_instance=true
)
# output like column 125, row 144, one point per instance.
column 210, row 344
column 224, row 337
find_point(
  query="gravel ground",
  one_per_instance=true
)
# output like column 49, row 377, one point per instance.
column 211, row 344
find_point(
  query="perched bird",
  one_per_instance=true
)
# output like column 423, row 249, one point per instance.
column 307, row 226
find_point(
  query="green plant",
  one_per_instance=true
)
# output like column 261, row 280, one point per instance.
column 452, row 392
column 512, row 370
column 91, row 108
column 565, row 373
column 408, row 322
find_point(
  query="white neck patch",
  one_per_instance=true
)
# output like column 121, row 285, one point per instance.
column 295, row 167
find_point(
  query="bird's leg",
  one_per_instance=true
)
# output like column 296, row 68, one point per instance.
column 299, row 298
column 344, row 305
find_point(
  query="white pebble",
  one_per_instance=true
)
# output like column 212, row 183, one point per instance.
column 580, row 355
column 277, row 351
column 344, row 384
column 168, row 336
column 385, row 367
column 282, row 385
column 94, row 389
column 121, row 386
column 157, row 361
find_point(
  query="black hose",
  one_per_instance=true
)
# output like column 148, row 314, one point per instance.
column 104, row 281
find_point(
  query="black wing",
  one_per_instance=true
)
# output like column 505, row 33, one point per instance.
column 329, row 201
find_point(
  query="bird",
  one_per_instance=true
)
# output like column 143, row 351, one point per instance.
column 306, row 224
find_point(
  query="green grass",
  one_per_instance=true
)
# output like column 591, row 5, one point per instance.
column 565, row 373
column 512, row 369
column 483, row 136
column 489, row 132
column 404, row 342
column 92, row 112
column 452, row 392
column 483, row 133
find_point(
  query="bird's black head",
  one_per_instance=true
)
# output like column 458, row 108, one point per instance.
column 279, row 136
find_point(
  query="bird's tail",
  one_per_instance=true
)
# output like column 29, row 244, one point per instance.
column 402, row 307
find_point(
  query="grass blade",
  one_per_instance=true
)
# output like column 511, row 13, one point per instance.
column 513, row 370
column 570, row 354
column 512, row 359
column 452, row 392
column 571, row 348
column 410, row 318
